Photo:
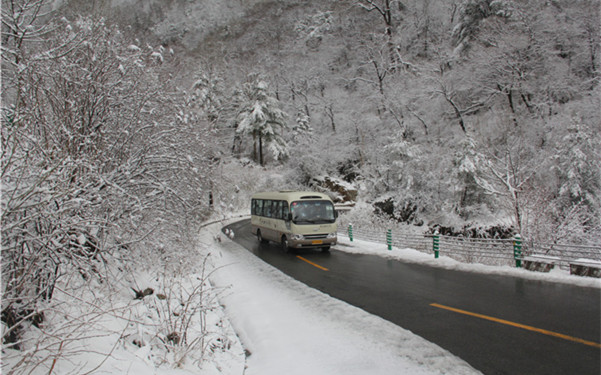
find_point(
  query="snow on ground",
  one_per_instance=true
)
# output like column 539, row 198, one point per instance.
column 97, row 327
column 111, row 334
column 290, row 328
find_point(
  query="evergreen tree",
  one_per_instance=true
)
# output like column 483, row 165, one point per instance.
column 578, row 167
column 259, row 115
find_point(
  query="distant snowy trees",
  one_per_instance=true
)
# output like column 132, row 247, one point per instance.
column 386, row 9
column 505, row 73
column 471, row 14
column 424, row 101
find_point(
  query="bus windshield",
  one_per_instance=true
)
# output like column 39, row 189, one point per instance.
column 312, row 212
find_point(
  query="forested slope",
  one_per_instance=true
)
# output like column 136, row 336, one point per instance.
column 458, row 112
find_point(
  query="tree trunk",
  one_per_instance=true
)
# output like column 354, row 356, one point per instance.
column 509, row 95
column 255, row 145
column 517, row 211
column 330, row 114
column 260, row 149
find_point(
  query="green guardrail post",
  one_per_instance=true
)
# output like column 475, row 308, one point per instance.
column 436, row 243
column 517, row 250
column 389, row 239
column 350, row 232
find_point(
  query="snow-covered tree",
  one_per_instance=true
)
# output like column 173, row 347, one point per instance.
column 95, row 158
column 578, row 171
column 578, row 165
column 313, row 28
column 260, row 116
column 471, row 14
column 467, row 164
column 387, row 10
column 507, row 172
column 303, row 125
column 207, row 95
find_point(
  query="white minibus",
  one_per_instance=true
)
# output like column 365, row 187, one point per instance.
column 295, row 219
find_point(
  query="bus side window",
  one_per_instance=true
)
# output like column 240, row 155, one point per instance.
column 277, row 209
column 272, row 213
column 267, row 208
column 253, row 207
column 285, row 210
column 259, row 207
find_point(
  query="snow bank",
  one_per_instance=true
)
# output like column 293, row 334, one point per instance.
column 414, row 256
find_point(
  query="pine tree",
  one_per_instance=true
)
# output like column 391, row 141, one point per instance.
column 578, row 167
column 259, row 115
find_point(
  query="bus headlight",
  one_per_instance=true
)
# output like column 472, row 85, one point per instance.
column 297, row 237
column 332, row 235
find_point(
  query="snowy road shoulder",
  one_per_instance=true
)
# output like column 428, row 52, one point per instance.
column 290, row 328
column 414, row 256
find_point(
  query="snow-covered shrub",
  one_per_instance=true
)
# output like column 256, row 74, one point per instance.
column 95, row 162
column 363, row 216
column 172, row 321
column 405, row 211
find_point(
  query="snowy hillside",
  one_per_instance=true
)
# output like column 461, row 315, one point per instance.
column 126, row 124
column 464, row 113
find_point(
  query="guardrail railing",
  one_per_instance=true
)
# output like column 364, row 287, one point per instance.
column 565, row 253
column 496, row 252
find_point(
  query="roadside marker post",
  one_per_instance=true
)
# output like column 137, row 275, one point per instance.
column 435, row 244
column 350, row 232
column 517, row 250
column 389, row 239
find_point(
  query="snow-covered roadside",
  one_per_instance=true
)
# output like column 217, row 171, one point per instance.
column 177, row 328
column 290, row 328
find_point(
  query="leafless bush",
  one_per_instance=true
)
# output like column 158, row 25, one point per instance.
column 75, row 316
column 99, row 154
column 180, row 309
column 169, row 320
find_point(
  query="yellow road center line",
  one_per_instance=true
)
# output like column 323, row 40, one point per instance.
column 518, row 325
column 311, row 263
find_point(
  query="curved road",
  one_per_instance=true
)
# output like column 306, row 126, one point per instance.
column 498, row 324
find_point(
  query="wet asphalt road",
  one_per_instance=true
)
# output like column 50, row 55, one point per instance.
column 403, row 293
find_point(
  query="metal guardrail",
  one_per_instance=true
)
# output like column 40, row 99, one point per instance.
column 399, row 239
column 567, row 254
column 495, row 252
